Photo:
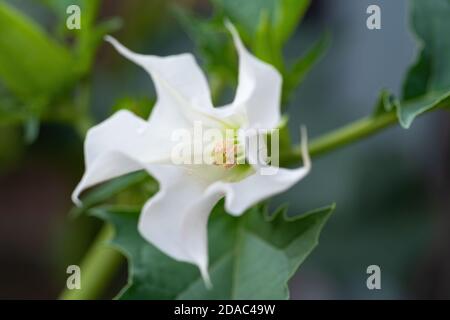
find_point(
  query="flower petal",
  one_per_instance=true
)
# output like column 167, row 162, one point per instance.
column 175, row 219
column 243, row 194
column 259, row 87
column 182, row 88
column 117, row 146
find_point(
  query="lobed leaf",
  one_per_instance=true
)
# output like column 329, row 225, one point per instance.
column 251, row 257
column 427, row 82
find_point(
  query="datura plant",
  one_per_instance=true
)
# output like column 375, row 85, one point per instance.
column 204, row 229
column 226, row 165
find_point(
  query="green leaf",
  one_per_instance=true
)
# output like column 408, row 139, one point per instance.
column 416, row 82
column 427, row 83
column 246, row 14
column 211, row 39
column 108, row 190
column 431, row 72
column 263, row 46
column 214, row 45
column 288, row 14
column 251, row 257
column 142, row 107
column 283, row 16
column 407, row 111
column 304, row 64
column 32, row 65
column 90, row 35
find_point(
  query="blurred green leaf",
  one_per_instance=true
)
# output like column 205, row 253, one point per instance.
column 251, row 257
column 288, row 14
column 303, row 65
column 416, row 83
column 427, row 83
column 11, row 148
column 263, row 44
column 282, row 16
column 213, row 43
column 141, row 107
column 409, row 110
column 90, row 35
column 246, row 14
column 431, row 72
column 32, row 65
column 106, row 191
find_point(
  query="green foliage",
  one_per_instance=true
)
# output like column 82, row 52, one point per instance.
column 134, row 185
column 431, row 72
column 90, row 35
column 32, row 65
column 303, row 65
column 265, row 26
column 38, row 72
column 251, row 257
column 214, row 46
column 282, row 16
column 141, row 107
column 427, row 83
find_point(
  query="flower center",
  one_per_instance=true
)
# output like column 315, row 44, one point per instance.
column 225, row 153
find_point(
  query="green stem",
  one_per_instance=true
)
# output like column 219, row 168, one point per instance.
column 99, row 266
column 350, row 133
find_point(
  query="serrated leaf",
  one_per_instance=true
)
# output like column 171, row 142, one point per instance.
column 251, row 257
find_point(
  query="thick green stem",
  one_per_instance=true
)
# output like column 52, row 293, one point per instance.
column 99, row 266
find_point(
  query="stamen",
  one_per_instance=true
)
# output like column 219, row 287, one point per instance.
column 225, row 154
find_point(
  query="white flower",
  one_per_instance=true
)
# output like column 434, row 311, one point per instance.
column 175, row 219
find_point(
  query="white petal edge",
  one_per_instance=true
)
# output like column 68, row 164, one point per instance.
column 259, row 87
column 240, row 196
column 175, row 220
column 181, row 86
column 119, row 145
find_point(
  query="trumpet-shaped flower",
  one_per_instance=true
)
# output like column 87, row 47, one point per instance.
column 175, row 219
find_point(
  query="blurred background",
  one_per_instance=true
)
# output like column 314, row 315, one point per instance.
column 392, row 190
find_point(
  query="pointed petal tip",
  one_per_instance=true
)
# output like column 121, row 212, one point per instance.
column 206, row 278
column 234, row 32
column 113, row 41
column 76, row 200
column 304, row 148
column 229, row 25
